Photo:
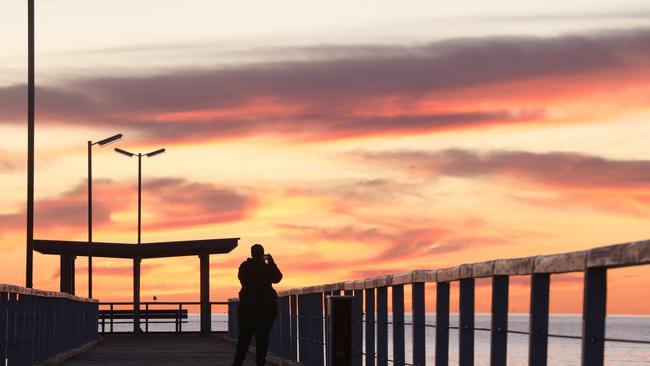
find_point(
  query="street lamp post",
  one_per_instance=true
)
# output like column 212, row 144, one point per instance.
column 137, row 261
column 103, row 142
column 29, row 258
column 140, row 155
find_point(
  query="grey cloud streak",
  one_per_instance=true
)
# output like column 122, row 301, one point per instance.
column 330, row 90
column 562, row 169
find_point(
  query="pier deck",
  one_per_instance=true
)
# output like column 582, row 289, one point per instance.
column 163, row 349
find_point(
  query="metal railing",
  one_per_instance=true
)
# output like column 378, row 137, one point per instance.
column 107, row 321
column 36, row 325
column 298, row 331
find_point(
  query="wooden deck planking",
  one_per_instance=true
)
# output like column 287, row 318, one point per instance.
column 163, row 349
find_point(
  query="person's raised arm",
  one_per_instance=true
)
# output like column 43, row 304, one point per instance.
column 275, row 274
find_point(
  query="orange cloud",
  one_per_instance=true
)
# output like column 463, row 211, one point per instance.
column 174, row 203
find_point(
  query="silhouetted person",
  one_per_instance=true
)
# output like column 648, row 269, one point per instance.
column 258, row 305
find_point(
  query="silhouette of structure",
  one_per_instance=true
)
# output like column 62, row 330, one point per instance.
column 104, row 142
column 69, row 250
column 297, row 334
column 29, row 257
column 258, row 305
column 137, row 261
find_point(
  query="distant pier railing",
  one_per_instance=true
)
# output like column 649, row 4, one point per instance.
column 115, row 316
column 38, row 325
column 298, row 331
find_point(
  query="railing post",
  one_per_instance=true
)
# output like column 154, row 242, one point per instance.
column 419, row 330
column 230, row 319
column 398, row 325
column 293, row 302
column 12, row 327
column 28, row 332
column 4, row 302
column 310, row 313
column 285, row 327
column 538, row 337
column 275, row 335
column 136, row 295
column 33, row 329
column 112, row 315
column 382, row 326
column 235, row 319
column 466, row 332
column 95, row 316
column 316, row 334
column 499, row 328
column 370, row 327
column 146, row 319
column 357, row 328
column 180, row 318
column 38, row 329
column 36, row 339
column 58, row 325
column 21, row 327
column 51, row 335
column 339, row 331
column 593, row 316
column 442, row 323
column 303, row 328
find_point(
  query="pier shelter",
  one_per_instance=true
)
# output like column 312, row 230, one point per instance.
column 69, row 250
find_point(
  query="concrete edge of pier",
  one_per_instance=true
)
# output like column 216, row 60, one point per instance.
column 63, row 356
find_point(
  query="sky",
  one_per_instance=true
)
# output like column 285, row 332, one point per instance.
column 352, row 139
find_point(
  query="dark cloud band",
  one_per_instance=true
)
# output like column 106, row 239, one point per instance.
column 330, row 92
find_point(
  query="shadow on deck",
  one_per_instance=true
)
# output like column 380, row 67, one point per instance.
column 160, row 349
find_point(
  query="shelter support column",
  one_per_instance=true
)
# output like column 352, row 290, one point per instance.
column 66, row 273
column 206, row 316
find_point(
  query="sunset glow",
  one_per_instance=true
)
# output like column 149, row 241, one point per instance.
column 351, row 143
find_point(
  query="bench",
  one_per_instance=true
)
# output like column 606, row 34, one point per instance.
column 153, row 316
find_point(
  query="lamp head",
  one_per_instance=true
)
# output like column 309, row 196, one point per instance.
column 124, row 152
column 154, row 153
column 110, row 140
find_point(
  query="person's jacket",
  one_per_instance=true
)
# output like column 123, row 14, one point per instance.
column 257, row 278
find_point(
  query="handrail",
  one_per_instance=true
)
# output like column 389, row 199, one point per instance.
column 612, row 256
column 37, row 326
column 107, row 317
column 298, row 330
column 13, row 289
column 161, row 303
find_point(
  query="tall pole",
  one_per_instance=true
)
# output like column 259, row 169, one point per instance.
column 137, row 260
column 139, row 197
column 29, row 273
column 90, row 220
